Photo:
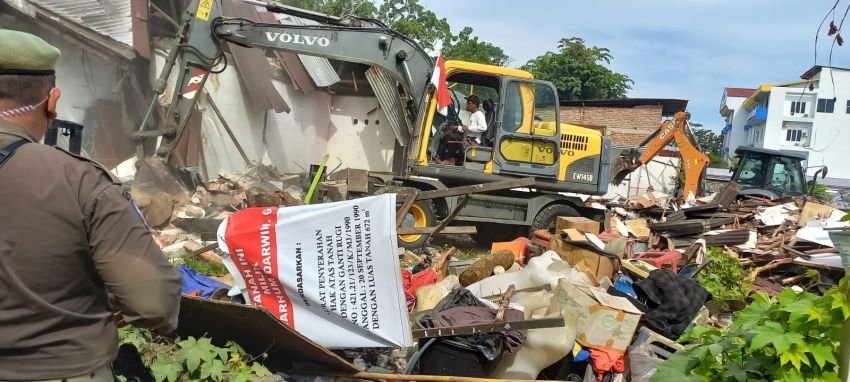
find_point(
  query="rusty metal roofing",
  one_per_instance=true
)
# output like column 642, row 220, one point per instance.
column 110, row 18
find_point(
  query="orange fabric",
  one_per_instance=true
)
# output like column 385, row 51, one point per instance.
column 607, row 360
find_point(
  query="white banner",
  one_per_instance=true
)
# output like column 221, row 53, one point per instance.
column 329, row 271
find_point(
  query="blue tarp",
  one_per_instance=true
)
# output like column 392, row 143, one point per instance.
column 204, row 285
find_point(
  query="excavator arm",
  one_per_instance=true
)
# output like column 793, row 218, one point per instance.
column 198, row 49
column 693, row 160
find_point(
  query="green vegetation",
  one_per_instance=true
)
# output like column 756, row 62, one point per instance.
column 578, row 72
column 193, row 359
column 724, row 278
column 204, row 267
column 793, row 337
column 820, row 193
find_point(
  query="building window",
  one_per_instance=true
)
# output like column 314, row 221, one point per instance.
column 793, row 135
column 826, row 105
column 798, row 107
column 848, row 106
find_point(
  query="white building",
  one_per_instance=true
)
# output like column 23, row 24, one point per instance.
column 731, row 102
column 811, row 116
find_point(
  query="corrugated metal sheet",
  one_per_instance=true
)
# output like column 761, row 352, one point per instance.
column 319, row 68
column 111, row 18
column 386, row 90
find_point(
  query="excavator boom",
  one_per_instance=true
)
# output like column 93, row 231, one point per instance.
column 693, row 160
column 198, row 50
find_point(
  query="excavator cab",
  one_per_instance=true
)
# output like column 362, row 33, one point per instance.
column 524, row 136
column 769, row 173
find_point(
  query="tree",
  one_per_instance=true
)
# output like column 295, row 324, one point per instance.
column 710, row 143
column 415, row 21
column 467, row 47
column 342, row 8
column 579, row 71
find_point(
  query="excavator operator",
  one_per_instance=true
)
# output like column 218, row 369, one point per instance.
column 453, row 143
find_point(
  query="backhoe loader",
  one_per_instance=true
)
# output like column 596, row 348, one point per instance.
column 524, row 139
column 767, row 173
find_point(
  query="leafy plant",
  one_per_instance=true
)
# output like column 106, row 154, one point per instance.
column 205, row 267
column 193, row 359
column 821, row 194
column 794, row 337
column 724, row 278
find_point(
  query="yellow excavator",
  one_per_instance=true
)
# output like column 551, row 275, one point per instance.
column 524, row 137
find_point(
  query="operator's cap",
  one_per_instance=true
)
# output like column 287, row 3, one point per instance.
column 26, row 54
column 474, row 99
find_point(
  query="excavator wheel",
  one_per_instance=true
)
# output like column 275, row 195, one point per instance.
column 548, row 216
column 421, row 214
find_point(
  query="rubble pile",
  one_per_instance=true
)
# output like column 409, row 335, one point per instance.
column 597, row 299
column 779, row 240
column 184, row 222
column 630, row 285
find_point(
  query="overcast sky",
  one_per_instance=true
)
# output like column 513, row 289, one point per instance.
column 688, row 49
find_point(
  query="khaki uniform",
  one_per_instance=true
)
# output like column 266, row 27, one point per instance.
column 68, row 234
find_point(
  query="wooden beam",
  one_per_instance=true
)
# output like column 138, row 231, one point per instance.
column 452, row 230
column 476, row 188
column 552, row 322
column 451, row 216
column 402, row 212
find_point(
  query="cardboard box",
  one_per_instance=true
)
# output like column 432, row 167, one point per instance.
column 581, row 224
column 574, row 252
column 602, row 321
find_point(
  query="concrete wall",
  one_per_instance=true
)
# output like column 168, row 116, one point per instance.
column 625, row 126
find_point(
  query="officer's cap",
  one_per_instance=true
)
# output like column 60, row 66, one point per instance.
column 24, row 53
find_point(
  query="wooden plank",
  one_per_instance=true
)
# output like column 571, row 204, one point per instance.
column 450, row 230
column 812, row 210
column 553, row 322
column 402, row 212
column 503, row 305
column 476, row 188
column 451, row 216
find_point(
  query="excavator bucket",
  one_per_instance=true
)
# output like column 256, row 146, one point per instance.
column 623, row 165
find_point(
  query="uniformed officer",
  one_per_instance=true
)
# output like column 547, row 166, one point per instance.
column 70, row 240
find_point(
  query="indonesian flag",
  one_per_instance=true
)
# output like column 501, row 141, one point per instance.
column 438, row 79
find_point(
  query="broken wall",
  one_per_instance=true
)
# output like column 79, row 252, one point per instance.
column 83, row 76
column 353, row 129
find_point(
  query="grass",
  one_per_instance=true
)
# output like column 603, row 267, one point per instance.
column 206, row 267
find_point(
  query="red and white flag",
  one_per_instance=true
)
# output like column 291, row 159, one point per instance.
column 438, row 79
